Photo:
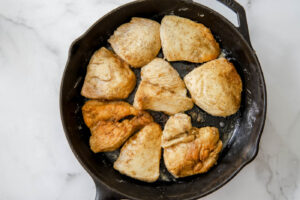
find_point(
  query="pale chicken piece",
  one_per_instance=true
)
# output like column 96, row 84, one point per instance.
column 192, row 153
column 177, row 129
column 184, row 39
column 108, row 133
column 215, row 87
column 151, row 97
column 107, row 77
column 137, row 42
column 140, row 156
column 160, row 73
column 161, row 89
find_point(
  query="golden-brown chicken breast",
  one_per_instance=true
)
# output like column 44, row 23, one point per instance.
column 215, row 87
column 140, row 156
column 184, row 39
column 161, row 89
column 137, row 42
column 189, row 151
column 107, row 77
column 94, row 111
column 108, row 133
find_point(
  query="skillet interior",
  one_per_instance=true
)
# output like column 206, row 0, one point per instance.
column 240, row 133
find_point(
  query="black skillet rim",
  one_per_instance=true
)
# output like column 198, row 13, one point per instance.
column 262, row 121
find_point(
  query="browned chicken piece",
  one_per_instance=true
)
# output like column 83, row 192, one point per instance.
column 189, row 152
column 108, row 132
column 137, row 42
column 161, row 89
column 94, row 111
column 184, row 39
column 107, row 77
column 140, row 156
column 215, row 87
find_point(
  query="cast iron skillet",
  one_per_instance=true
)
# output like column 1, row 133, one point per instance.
column 240, row 133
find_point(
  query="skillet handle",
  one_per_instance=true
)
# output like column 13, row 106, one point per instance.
column 241, row 14
column 104, row 193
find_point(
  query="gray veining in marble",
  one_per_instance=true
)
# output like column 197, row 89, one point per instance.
column 35, row 159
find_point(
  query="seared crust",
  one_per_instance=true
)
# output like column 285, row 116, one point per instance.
column 189, row 150
column 103, row 119
column 140, row 156
column 195, row 157
column 184, row 39
column 107, row 77
column 137, row 42
column 94, row 111
column 215, row 87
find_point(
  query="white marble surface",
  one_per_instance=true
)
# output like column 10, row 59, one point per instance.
column 35, row 159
